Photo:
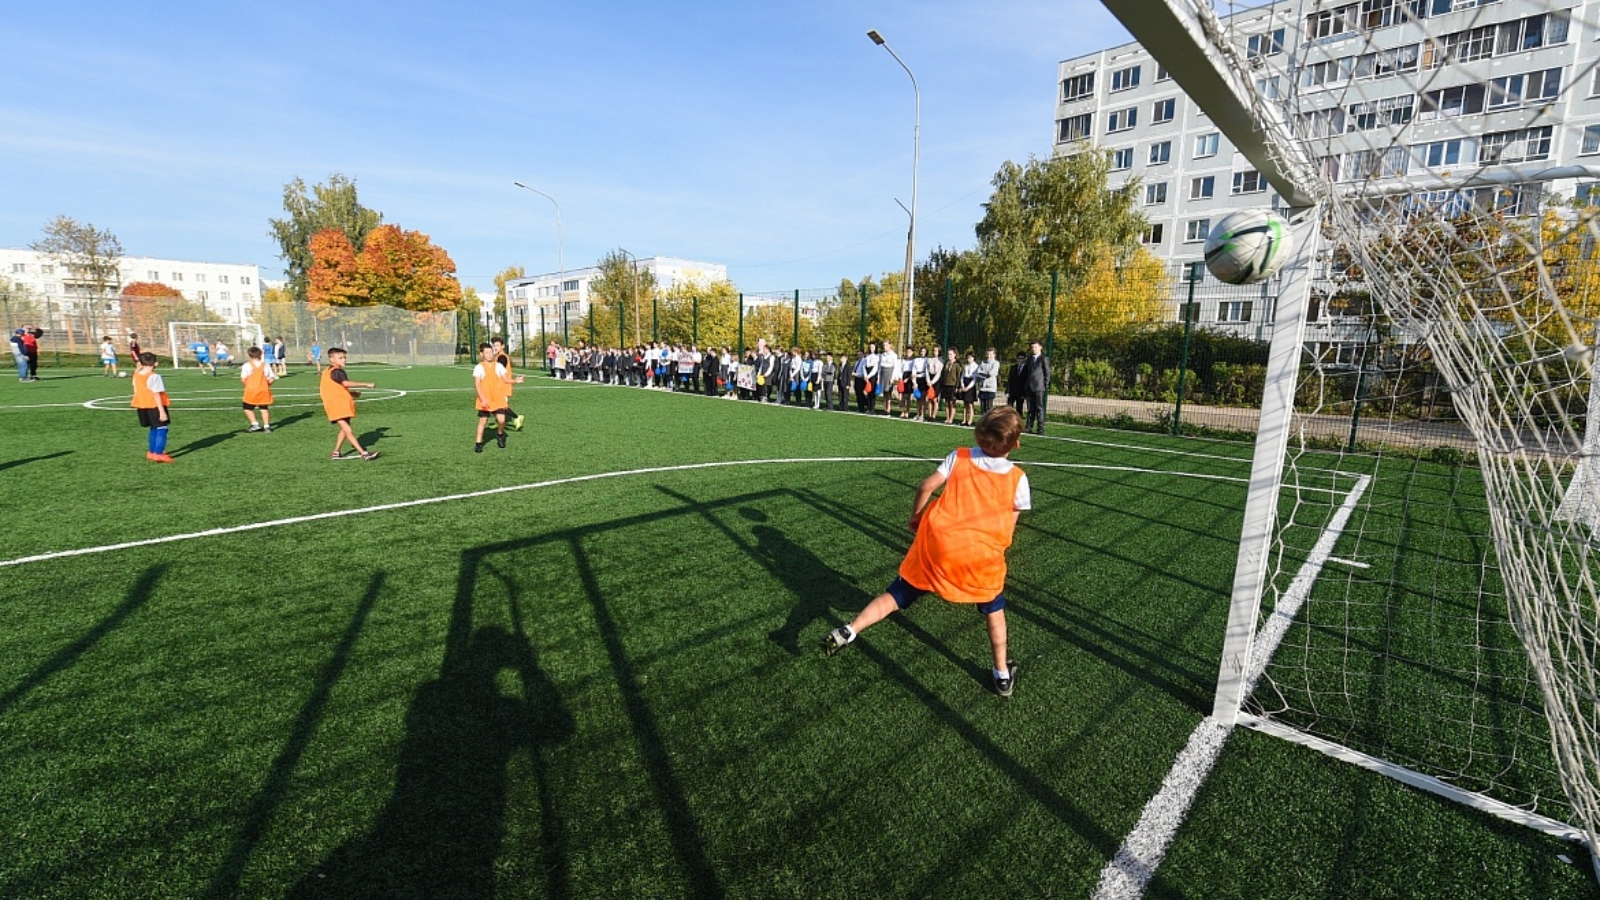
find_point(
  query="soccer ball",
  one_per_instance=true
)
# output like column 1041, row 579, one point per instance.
column 1247, row 247
column 122, row 374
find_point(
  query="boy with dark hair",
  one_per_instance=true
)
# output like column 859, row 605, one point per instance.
column 258, row 377
column 959, row 552
column 339, row 402
column 503, row 359
column 493, row 387
column 151, row 403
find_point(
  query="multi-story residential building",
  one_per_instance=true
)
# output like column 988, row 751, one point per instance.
column 548, row 293
column 230, row 290
column 1385, row 92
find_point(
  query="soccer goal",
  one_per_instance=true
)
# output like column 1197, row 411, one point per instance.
column 188, row 338
column 1420, row 597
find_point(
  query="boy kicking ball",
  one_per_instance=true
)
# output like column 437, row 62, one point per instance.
column 959, row 552
column 493, row 386
column 339, row 402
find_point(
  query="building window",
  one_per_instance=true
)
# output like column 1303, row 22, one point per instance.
column 1384, row 63
column 1534, row 87
column 1525, row 145
column 1381, row 113
column 1122, row 159
column 1077, row 86
column 1206, row 145
column 223, row 296
column 1164, row 110
column 1203, row 188
column 1195, row 230
column 153, row 276
column 1269, row 87
column 1321, row 123
column 200, row 276
column 1074, row 128
column 1234, row 311
column 569, row 285
column 1533, row 32
column 1123, row 79
column 1122, row 120
column 222, row 278
column 244, row 279
column 1329, row 71
column 247, row 297
column 1591, row 141
column 177, row 276
column 1152, row 235
column 1259, row 45
column 202, row 296
column 1155, row 193
column 1364, row 164
column 1329, row 22
column 19, row 268
column 1248, row 182
column 1160, row 153
column 47, row 270
column 1466, row 100
column 1162, row 74
column 1445, row 153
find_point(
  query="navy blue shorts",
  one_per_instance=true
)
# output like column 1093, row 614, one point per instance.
column 905, row 593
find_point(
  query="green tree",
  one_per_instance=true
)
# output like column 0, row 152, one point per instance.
column 89, row 254
column 331, row 205
column 713, row 307
column 509, row 273
column 618, row 291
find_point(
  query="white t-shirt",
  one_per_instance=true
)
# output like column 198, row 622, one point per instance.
column 155, row 384
column 247, row 368
column 478, row 371
column 999, row 466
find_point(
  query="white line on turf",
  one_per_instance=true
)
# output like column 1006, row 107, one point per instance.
column 1127, row 875
column 489, row 492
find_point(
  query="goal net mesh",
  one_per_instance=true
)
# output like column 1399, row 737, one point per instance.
column 1452, row 625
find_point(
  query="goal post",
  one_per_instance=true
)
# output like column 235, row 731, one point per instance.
column 1431, row 586
column 183, row 337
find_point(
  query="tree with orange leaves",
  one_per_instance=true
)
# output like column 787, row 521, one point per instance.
column 394, row 268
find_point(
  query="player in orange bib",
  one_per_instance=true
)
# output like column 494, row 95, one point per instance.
column 492, row 383
column 959, row 552
column 514, row 419
column 151, row 402
column 339, row 402
column 258, row 378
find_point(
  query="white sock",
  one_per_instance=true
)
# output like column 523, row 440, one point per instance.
column 999, row 674
column 849, row 634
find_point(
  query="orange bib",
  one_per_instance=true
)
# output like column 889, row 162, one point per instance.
column 143, row 397
column 960, row 549
column 257, row 392
column 336, row 399
column 493, row 389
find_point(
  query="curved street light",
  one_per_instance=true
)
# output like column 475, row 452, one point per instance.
column 916, row 143
column 561, row 262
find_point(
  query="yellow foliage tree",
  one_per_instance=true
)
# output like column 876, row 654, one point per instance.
column 1116, row 295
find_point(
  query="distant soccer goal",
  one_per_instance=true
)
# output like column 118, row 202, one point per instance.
column 1447, row 155
column 197, row 343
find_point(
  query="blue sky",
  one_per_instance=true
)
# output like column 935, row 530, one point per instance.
column 773, row 137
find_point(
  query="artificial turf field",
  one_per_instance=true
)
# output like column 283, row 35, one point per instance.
column 611, row 687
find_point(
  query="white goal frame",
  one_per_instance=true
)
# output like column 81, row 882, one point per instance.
column 242, row 332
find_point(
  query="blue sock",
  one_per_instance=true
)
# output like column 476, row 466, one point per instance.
column 152, row 441
column 161, row 438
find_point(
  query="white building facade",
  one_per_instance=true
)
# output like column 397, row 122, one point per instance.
column 1381, row 89
column 548, row 293
column 230, row 290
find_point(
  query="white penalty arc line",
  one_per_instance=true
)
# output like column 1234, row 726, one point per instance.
column 1127, row 875
column 509, row 489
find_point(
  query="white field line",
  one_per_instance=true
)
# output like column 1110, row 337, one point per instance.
column 1349, row 562
column 1127, row 875
column 489, row 492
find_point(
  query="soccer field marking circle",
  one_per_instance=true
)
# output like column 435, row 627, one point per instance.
column 178, row 400
column 554, row 482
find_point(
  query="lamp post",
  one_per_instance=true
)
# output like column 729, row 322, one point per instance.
column 916, row 142
column 561, row 261
column 635, row 294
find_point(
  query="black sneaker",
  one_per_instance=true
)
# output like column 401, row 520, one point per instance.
column 834, row 641
column 1005, row 684
column 478, row 447
column 500, row 440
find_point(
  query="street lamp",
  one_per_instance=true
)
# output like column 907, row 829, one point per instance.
column 916, row 142
column 635, row 294
column 561, row 262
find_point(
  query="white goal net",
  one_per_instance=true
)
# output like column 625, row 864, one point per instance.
column 1440, row 623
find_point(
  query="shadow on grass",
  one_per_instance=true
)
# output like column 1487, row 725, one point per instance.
column 289, row 420
column 225, row 882
column 371, row 438
column 204, row 443
column 66, row 656
column 12, row 464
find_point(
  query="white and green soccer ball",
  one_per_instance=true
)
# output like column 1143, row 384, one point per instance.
column 1247, row 246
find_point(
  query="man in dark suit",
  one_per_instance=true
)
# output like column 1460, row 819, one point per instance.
column 1036, row 386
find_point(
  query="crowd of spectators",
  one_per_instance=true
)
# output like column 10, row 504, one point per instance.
column 923, row 385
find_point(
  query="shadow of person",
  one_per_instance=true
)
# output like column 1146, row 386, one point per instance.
column 820, row 587
column 440, row 833
column 204, row 443
column 374, row 436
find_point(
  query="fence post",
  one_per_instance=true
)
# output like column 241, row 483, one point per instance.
column 622, row 322
column 796, row 341
column 694, row 311
column 522, row 333
column 947, row 289
column 1183, row 360
column 862, row 347
column 741, row 326
column 655, row 319
column 566, row 336
column 1050, row 329
column 544, row 338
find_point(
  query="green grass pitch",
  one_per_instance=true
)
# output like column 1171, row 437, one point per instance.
column 611, row 687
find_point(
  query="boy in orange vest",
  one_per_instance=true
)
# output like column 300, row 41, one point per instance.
column 959, row 552
column 492, row 383
column 504, row 359
column 339, row 402
column 150, row 401
column 258, row 378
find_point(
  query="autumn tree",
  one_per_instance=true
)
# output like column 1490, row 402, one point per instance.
column 396, row 268
column 622, row 291
column 332, row 205
column 508, row 274
column 148, row 307
column 706, row 314
column 1116, row 295
column 89, row 254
